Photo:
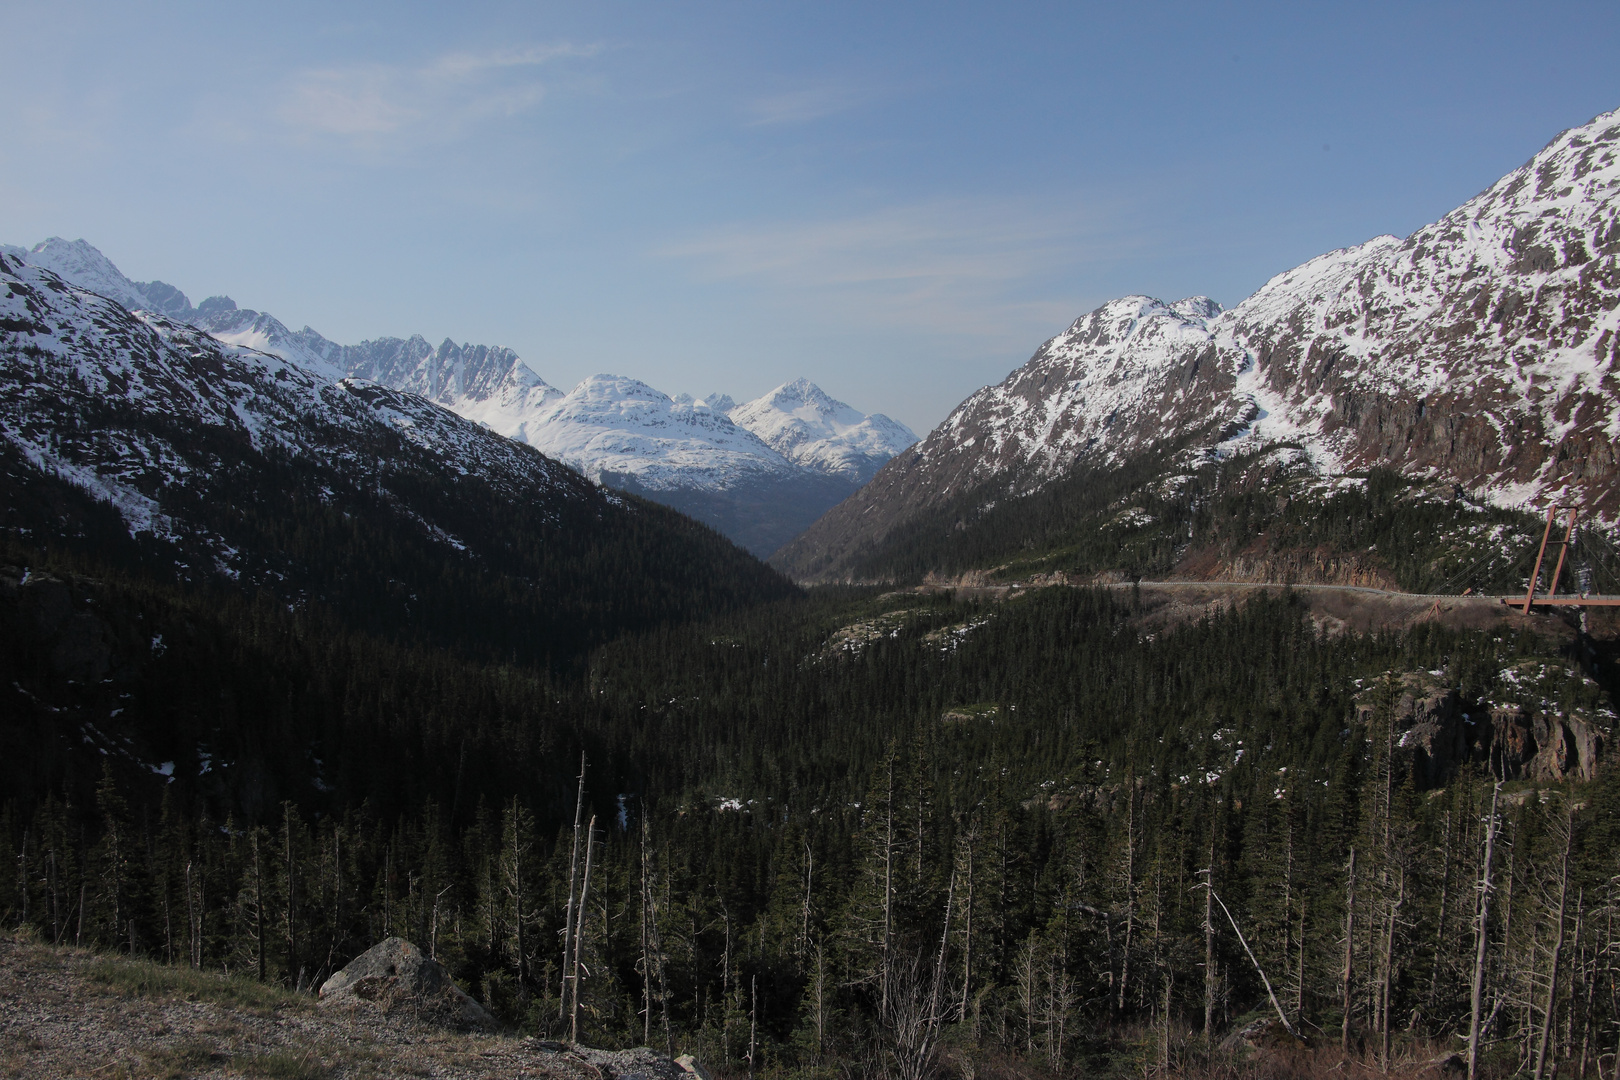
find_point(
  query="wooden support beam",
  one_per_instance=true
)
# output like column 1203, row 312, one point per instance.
column 1535, row 575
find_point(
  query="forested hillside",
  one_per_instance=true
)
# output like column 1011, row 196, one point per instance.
column 1247, row 518
column 845, row 831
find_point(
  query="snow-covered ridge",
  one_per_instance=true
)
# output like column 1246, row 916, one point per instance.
column 1483, row 350
column 139, row 410
column 607, row 426
column 1503, row 317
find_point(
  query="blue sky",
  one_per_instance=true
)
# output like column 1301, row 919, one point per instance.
column 899, row 201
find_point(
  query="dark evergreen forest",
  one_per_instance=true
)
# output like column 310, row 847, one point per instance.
column 1264, row 511
column 842, row 832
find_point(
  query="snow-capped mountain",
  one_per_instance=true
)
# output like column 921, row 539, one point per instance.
column 136, row 434
column 78, row 262
column 626, row 433
column 806, row 426
column 174, row 407
column 1480, row 350
column 760, row 472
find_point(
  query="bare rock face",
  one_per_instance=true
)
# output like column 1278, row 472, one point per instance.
column 1529, row 739
column 1429, row 723
column 396, row 977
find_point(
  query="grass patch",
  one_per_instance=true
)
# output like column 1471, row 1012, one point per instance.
column 146, row 978
column 181, row 1061
column 284, row 1065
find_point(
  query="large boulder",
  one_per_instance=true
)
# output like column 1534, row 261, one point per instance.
column 396, row 977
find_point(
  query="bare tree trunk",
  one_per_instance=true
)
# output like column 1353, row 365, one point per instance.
column 821, row 1000
column 1349, row 946
column 1275, row 1004
column 1209, row 942
column 293, row 968
column 514, row 889
column 573, row 869
column 1299, row 964
column 337, row 896
column 1386, row 990
column 967, row 928
column 804, row 914
column 1164, row 1021
column 191, row 919
column 258, row 905
column 1130, row 893
column 753, row 1020
column 1557, row 951
column 1477, row 987
column 1429, row 1004
column 579, row 932
column 888, row 893
column 725, row 985
column 939, row 963
column 1577, row 977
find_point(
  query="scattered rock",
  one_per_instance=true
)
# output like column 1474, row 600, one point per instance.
column 692, row 1065
column 396, row 977
column 641, row 1063
column 1447, row 1065
column 1266, row 1033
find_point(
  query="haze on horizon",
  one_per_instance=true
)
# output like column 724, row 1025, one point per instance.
column 899, row 203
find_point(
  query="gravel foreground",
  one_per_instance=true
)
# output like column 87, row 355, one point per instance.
column 67, row 1012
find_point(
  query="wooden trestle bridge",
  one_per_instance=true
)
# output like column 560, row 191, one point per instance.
column 1552, row 599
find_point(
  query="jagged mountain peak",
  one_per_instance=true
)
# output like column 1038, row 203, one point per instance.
column 1482, row 350
column 1197, row 307
column 690, row 445
column 81, row 263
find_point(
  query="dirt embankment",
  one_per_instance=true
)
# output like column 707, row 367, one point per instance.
column 1335, row 608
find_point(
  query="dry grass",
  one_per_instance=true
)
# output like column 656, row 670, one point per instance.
column 146, row 978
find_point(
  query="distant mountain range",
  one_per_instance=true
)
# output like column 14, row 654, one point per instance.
column 143, row 442
column 760, row 472
column 1482, row 352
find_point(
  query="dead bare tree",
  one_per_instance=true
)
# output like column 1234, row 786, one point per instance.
column 1481, row 938
column 579, row 934
column 1567, row 830
column 1275, row 1004
column 573, row 869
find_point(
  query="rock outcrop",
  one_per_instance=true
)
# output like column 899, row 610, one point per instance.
column 396, row 977
column 1525, row 734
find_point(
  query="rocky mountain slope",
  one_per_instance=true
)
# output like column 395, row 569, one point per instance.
column 1480, row 351
column 760, row 472
column 155, row 443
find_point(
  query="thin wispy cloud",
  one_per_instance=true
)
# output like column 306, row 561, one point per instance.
column 950, row 265
column 802, row 106
column 369, row 102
